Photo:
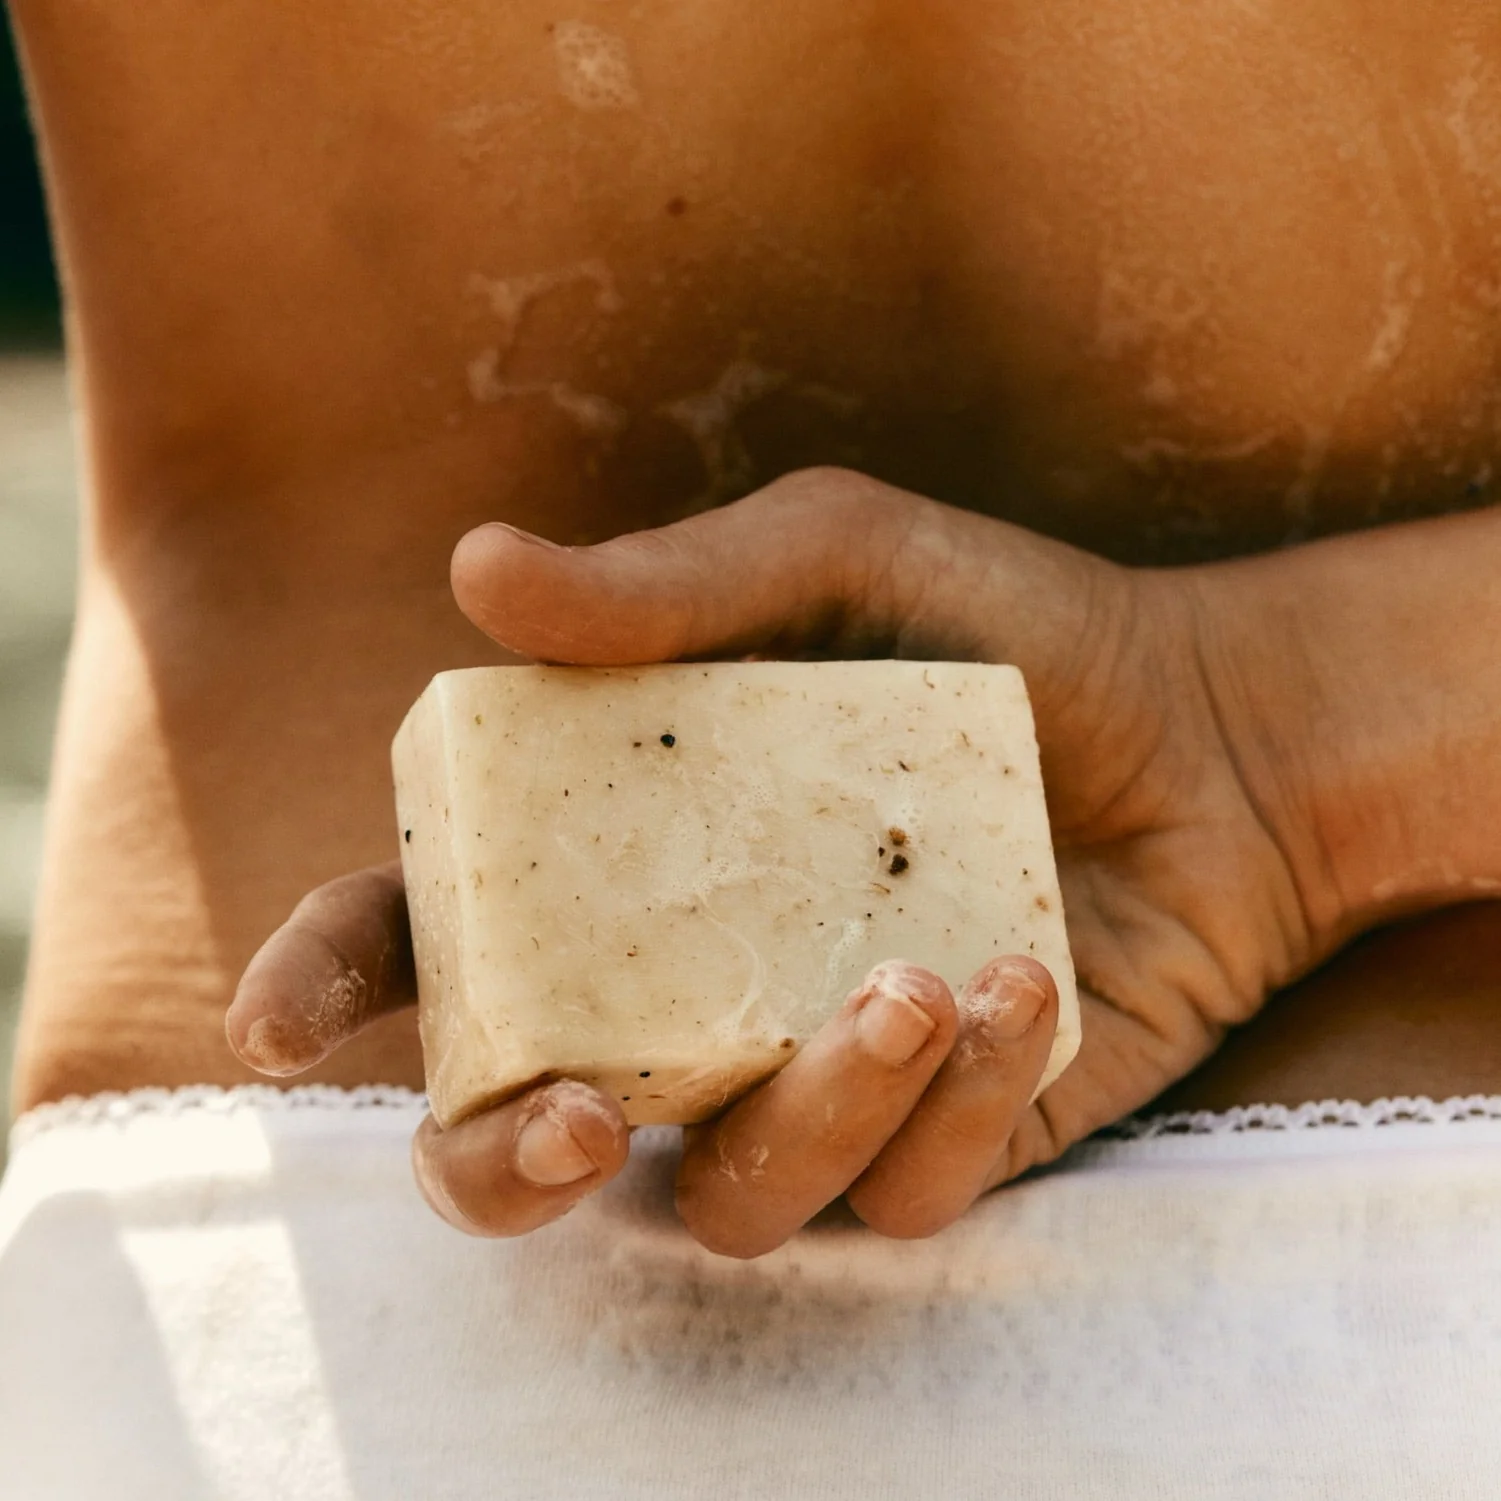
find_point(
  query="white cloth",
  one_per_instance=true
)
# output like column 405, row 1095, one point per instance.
column 209, row 1295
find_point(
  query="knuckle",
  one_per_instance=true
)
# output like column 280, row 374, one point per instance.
column 846, row 500
column 348, row 899
column 1037, row 1140
column 1034, row 1143
column 819, row 483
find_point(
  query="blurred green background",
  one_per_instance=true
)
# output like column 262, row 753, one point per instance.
column 37, row 532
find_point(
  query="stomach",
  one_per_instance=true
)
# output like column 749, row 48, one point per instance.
column 1166, row 286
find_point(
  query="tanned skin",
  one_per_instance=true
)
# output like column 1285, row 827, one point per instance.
column 1052, row 334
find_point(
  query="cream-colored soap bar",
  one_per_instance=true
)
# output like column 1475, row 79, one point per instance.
column 663, row 880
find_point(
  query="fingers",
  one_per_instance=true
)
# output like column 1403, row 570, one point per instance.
column 906, row 1102
column 882, row 1104
column 343, row 958
column 1122, row 1060
column 946, row 1152
column 667, row 594
column 751, row 1178
column 521, row 1165
column 822, row 560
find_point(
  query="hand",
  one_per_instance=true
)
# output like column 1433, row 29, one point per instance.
column 1185, row 898
column 903, row 1102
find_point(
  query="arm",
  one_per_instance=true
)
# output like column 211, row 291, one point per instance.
column 1359, row 681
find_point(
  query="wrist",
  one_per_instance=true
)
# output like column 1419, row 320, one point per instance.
column 1358, row 686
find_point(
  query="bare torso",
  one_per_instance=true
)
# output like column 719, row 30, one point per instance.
column 349, row 279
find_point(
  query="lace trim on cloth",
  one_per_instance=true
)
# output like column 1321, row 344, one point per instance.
column 114, row 1108
column 1316, row 1115
column 1313, row 1116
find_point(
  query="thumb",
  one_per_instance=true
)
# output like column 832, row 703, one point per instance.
column 823, row 561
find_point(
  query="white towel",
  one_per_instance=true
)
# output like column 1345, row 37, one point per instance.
column 240, row 1295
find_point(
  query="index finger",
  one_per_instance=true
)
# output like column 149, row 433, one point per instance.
column 341, row 960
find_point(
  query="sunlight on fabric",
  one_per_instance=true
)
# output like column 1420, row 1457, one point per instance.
column 229, row 1299
column 215, row 1266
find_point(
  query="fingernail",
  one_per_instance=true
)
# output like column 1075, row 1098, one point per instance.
column 547, row 1154
column 272, row 1047
column 891, row 1027
column 1007, row 998
column 530, row 538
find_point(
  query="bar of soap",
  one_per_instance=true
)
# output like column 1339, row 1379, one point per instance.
column 663, row 880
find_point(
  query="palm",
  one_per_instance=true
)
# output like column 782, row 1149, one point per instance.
column 1180, row 910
